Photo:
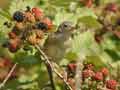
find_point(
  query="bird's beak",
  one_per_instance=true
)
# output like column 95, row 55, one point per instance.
column 73, row 28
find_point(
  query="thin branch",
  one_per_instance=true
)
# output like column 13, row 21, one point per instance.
column 64, row 80
column 8, row 76
column 48, row 66
column 54, row 70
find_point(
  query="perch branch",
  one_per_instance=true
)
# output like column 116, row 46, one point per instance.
column 48, row 66
column 53, row 69
column 8, row 76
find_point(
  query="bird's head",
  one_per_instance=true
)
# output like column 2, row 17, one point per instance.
column 64, row 31
column 66, row 27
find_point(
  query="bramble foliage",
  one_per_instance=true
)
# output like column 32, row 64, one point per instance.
column 96, row 37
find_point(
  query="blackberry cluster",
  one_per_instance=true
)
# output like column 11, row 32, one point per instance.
column 18, row 16
column 91, row 78
column 30, row 28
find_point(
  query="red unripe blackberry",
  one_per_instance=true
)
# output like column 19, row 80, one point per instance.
column 48, row 22
column 87, row 3
column 12, row 35
column 71, row 70
column 105, row 71
column 72, row 67
column 38, row 13
column 18, row 16
column 7, row 62
column 98, row 76
column 98, row 38
column 13, row 48
column 89, row 66
column 14, row 45
column 111, row 84
column 87, row 73
column 36, row 10
column 111, row 7
column 1, row 62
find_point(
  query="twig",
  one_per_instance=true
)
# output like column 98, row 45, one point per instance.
column 48, row 66
column 54, row 70
column 8, row 76
column 60, row 76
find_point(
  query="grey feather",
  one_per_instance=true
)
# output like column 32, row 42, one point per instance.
column 55, row 46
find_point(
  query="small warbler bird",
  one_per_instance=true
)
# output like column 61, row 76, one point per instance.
column 56, row 44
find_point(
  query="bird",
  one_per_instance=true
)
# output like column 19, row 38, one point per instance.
column 56, row 44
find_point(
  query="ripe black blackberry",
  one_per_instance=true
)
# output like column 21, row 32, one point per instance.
column 18, row 16
column 42, row 26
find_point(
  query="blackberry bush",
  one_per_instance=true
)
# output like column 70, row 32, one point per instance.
column 60, row 45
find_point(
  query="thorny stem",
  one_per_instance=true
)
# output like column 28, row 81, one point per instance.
column 8, row 76
column 54, row 70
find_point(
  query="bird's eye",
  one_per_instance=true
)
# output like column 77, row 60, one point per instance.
column 65, row 25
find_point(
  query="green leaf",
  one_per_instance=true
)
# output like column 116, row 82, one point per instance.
column 64, row 3
column 11, row 85
column 25, row 59
column 90, row 22
column 82, row 12
column 96, row 61
column 5, row 14
column 21, row 5
column 30, row 86
column 65, row 16
column 82, row 41
column 71, row 56
column 113, row 54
